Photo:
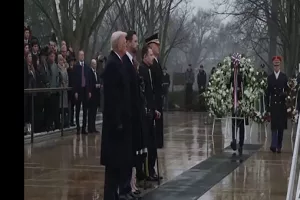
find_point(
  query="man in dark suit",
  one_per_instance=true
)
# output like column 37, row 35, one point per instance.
column 275, row 102
column 95, row 97
column 116, row 143
column 157, row 76
column 128, row 62
column 152, row 111
column 82, row 91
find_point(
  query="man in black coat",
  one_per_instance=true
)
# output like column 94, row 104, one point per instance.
column 95, row 97
column 129, row 65
column 275, row 102
column 116, row 143
column 152, row 110
column 157, row 76
column 81, row 89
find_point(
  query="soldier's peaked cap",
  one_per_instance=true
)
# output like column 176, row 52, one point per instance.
column 277, row 58
column 152, row 39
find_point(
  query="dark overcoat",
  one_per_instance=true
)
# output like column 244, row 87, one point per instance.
column 135, row 104
column 157, row 77
column 275, row 101
column 116, row 143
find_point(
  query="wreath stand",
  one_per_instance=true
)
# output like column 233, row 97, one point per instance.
column 214, row 122
column 265, row 124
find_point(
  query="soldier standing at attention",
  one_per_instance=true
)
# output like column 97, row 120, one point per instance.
column 275, row 102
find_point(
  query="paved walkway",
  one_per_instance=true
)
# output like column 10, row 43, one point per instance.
column 194, row 164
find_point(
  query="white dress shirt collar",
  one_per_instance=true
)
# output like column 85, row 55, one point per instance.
column 129, row 56
column 118, row 55
column 277, row 74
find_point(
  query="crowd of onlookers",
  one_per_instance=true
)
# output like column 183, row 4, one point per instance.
column 54, row 66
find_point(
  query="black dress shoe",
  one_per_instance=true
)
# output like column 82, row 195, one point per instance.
column 233, row 145
column 137, row 192
column 83, row 132
column 240, row 150
column 72, row 124
column 135, row 196
column 273, row 149
column 278, row 150
column 153, row 178
column 126, row 197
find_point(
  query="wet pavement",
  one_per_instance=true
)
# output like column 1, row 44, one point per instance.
column 69, row 167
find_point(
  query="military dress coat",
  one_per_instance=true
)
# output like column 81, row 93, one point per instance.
column 275, row 101
column 157, row 77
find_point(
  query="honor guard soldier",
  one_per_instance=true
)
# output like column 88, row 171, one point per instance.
column 275, row 102
column 157, row 78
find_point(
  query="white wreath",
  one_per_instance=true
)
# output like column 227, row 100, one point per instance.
column 218, row 96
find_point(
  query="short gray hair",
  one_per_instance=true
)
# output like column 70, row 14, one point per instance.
column 94, row 61
column 115, row 39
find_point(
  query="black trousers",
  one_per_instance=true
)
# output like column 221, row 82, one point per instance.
column 125, row 188
column 239, row 124
column 39, row 106
column 115, row 179
column 140, row 162
column 277, row 138
column 152, row 148
column 92, row 113
column 189, row 95
column 52, row 110
column 82, row 100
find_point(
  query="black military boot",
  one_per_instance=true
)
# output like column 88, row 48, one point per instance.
column 233, row 145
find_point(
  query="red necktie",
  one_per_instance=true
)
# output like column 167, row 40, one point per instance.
column 82, row 76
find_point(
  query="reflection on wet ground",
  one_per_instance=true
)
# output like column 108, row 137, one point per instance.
column 69, row 167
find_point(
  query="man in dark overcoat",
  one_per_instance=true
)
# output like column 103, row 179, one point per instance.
column 151, row 109
column 157, row 77
column 129, row 65
column 116, row 143
column 275, row 102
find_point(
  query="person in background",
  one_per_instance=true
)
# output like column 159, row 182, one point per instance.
column 201, row 81
column 95, row 97
column 52, row 103
column 189, row 82
column 26, row 50
column 81, row 89
column 165, row 85
column 71, row 62
column 35, row 52
column 42, row 77
column 27, row 37
column 63, row 82
column 30, row 81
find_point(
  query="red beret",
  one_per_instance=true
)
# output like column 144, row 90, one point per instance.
column 276, row 58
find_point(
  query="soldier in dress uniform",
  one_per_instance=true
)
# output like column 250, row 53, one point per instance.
column 275, row 103
column 157, row 77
